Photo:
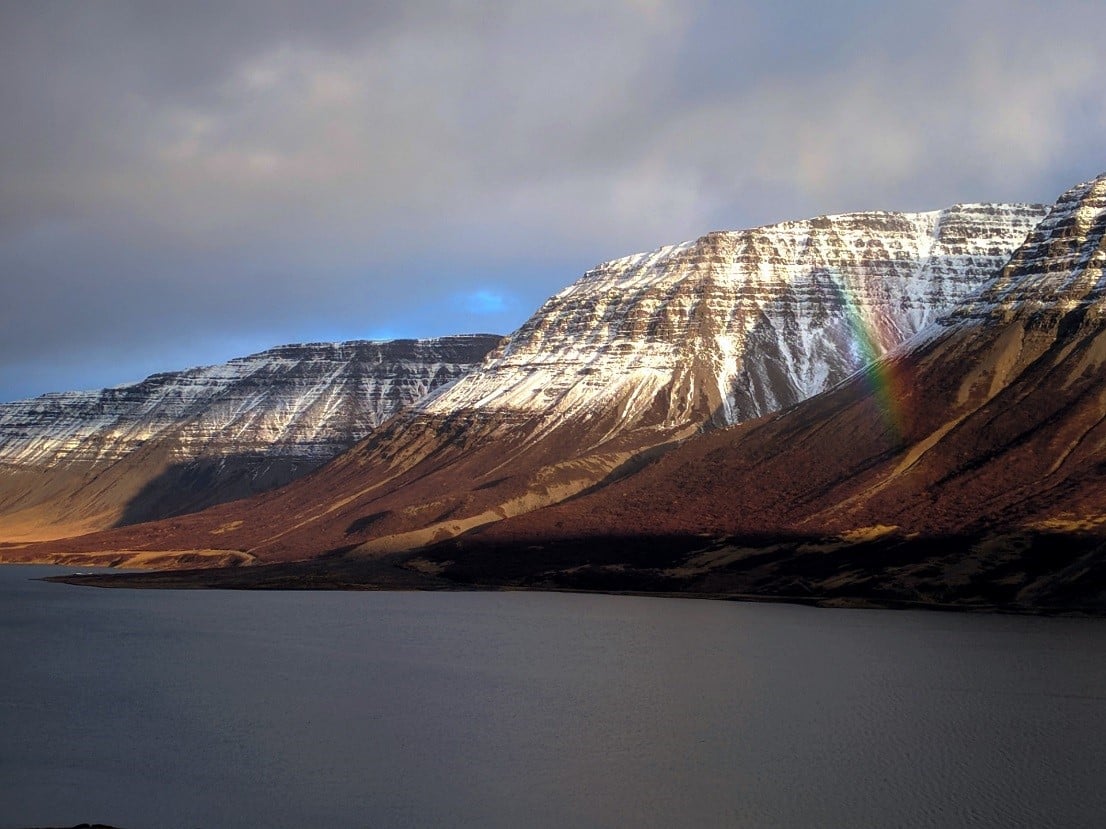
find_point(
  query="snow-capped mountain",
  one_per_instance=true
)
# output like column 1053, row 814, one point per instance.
column 639, row 354
column 987, row 490
column 229, row 429
column 1060, row 266
column 311, row 400
column 738, row 324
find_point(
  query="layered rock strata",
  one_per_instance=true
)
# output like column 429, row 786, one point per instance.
column 182, row 440
column 985, row 489
column 639, row 354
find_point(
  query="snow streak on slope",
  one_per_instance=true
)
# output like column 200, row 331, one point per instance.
column 310, row 401
column 1060, row 266
column 737, row 324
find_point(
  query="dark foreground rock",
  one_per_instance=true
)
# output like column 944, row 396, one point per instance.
column 1035, row 574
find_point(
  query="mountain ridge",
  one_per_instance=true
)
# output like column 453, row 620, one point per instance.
column 640, row 353
column 987, row 493
column 210, row 432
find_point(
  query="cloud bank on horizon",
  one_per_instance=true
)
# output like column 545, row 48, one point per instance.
column 184, row 183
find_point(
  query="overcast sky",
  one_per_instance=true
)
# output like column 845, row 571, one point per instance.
column 185, row 182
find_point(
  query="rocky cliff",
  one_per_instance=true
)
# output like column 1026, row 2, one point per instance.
column 640, row 353
column 986, row 489
column 180, row 440
column 741, row 323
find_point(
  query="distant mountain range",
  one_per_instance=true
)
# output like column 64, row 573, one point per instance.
column 180, row 441
column 870, row 408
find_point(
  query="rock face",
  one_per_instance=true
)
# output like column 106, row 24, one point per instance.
column 640, row 353
column 738, row 324
column 184, row 439
column 1060, row 265
column 987, row 489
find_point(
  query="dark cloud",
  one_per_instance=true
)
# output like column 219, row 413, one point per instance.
column 184, row 181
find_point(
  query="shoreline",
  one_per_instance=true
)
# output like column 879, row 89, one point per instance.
column 417, row 582
column 1042, row 574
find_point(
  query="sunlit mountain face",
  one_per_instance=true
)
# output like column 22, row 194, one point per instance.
column 179, row 441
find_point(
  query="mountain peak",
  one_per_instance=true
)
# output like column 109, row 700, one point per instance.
column 1060, row 265
column 738, row 323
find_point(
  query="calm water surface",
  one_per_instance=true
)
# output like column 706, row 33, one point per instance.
column 227, row 709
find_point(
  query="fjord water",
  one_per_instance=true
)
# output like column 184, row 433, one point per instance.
column 223, row 709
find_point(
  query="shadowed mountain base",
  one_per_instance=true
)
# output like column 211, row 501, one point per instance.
column 1023, row 573
column 44, row 504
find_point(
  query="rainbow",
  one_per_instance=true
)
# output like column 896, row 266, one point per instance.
column 871, row 339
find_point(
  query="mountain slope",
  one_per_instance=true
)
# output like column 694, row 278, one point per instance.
column 738, row 324
column 640, row 353
column 981, row 481
column 183, row 440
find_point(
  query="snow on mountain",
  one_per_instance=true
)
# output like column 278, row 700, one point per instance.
column 1060, row 266
column 78, row 462
column 985, row 491
column 310, row 400
column 740, row 323
column 641, row 352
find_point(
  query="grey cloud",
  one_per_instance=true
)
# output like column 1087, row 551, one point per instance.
column 229, row 172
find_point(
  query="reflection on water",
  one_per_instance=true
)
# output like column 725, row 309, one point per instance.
column 208, row 708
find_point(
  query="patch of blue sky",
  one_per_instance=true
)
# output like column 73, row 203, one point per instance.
column 485, row 301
